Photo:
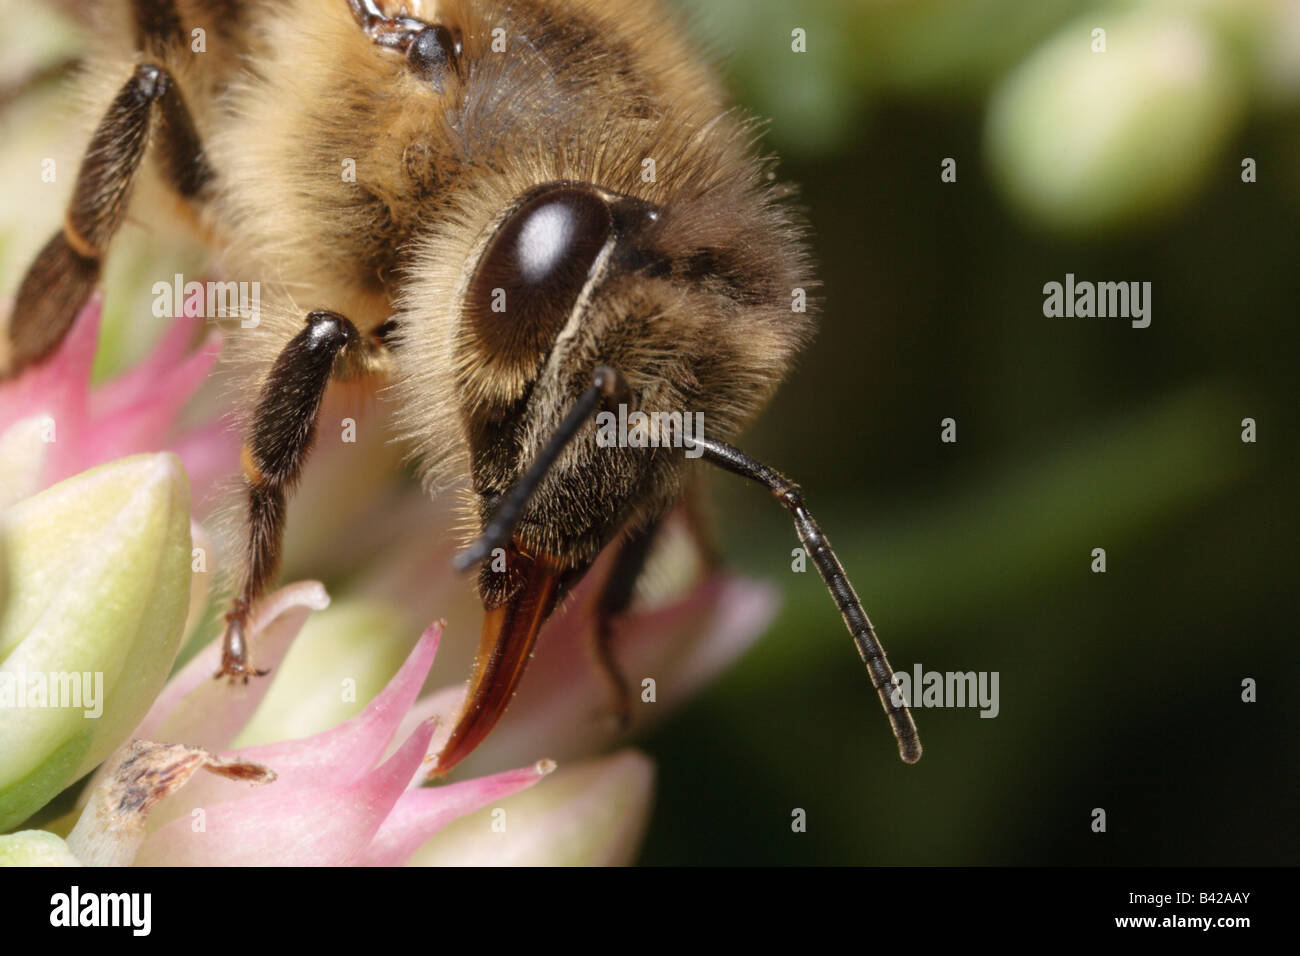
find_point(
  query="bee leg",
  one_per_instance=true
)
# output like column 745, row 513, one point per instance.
column 615, row 596
column 60, row 280
column 281, row 434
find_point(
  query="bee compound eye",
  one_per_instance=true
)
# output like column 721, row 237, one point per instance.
column 432, row 54
column 533, row 270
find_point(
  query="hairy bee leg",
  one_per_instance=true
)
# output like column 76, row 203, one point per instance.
column 615, row 596
column 281, row 435
column 64, row 273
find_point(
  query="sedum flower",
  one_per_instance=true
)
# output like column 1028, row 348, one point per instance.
column 329, row 799
column 365, row 777
column 297, row 768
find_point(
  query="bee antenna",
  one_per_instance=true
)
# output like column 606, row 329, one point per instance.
column 606, row 385
column 828, row 565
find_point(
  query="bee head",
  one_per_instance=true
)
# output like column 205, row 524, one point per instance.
column 694, row 320
column 579, row 310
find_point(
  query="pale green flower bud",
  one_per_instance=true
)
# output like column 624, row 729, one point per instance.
column 97, row 591
column 22, row 458
column 1098, row 129
column 344, row 656
column 591, row 814
column 35, row 848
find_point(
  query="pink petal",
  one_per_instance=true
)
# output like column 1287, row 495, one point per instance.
column 136, row 384
column 421, row 813
column 349, row 751
column 135, row 413
column 441, row 707
column 144, row 425
column 135, row 779
column 277, row 826
column 58, row 387
column 737, row 611
column 202, row 712
column 338, row 756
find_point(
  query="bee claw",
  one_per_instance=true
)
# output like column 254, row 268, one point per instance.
column 238, row 671
column 235, row 664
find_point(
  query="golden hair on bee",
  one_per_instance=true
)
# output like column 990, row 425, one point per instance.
column 506, row 218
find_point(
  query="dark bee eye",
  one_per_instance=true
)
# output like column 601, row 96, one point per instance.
column 431, row 54
column 531, row 274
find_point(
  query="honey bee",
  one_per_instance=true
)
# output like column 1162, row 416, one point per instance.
column 507, row 215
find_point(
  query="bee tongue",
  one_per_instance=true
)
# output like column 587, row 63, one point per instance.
column 509, row 632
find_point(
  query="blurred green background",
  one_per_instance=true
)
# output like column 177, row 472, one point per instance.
column 1119, row 690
